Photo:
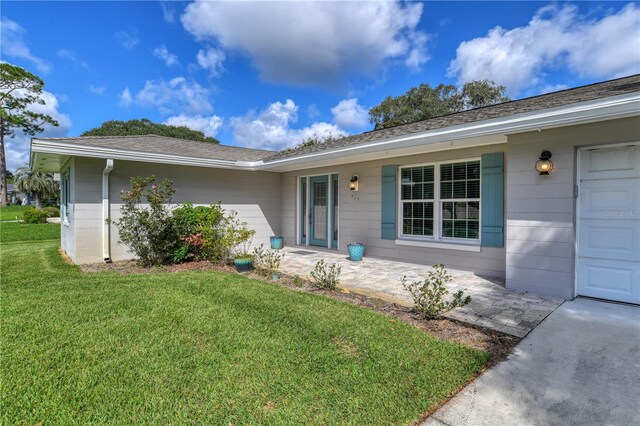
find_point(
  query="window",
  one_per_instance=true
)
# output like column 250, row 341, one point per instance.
column 417, row 198
column 441, row 201
column 66, row 194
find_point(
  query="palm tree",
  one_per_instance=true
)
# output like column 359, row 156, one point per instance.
column 38, row 183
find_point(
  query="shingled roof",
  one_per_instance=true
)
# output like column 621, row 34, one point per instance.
column 556, row 99
column 170, row 146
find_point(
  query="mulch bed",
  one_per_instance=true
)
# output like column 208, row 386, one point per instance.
column 498, row 344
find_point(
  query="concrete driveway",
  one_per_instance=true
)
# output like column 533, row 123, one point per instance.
column 581, row 366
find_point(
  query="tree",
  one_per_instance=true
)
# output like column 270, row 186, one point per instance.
column 9, row 176
column 145, row 126
column 38, row 183
column 424, row 101
column 19, row 89
column 311, row 141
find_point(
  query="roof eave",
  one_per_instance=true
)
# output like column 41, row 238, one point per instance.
column 579, row 113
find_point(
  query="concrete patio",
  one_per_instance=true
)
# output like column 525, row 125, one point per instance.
column 492, row 306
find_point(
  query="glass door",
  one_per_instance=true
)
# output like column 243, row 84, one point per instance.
column 319, row 210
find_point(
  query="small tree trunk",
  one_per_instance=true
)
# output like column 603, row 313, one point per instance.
column 38, row 201
column 3, row 170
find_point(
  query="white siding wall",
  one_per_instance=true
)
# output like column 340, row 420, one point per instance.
column 541, row 209
column 254, row 195
column 360, row 214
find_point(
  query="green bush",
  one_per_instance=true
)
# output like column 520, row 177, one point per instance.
column 35, row 216
column 150, row 233
column 267, row 260
column 209, row 233
column 326, row 276
column 52, row 211
column 429, row 296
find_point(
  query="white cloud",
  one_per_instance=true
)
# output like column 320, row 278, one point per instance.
column 168, row 13
column 271, row 127
column 211, row 59
column 556, row 37
column 349, row 114
column 14, row 46
column 17, row 148
column 161, row 52
column 71, row 56
column 98, row 90
column 128, row 39
column 313, row 42
column 125, row 98
column 208, row 125
column 178, row 94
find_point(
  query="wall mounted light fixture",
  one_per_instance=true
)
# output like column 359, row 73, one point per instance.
column 354, row 183
column 544, row 165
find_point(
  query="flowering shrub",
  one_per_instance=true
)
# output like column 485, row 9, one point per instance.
column 209, row 233
column 148, row 229
column 326, row 275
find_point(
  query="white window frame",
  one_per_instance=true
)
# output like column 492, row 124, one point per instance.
column 66, row 196
column 437, row 208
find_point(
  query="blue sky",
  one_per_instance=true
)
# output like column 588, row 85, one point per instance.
column 268, row 74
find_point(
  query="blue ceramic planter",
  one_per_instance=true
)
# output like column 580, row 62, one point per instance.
column 243, row 264
column 356, row 251
column 277, row 242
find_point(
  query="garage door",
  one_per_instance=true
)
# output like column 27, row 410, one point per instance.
column 609, row 224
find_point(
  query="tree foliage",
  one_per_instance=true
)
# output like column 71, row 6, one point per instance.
column 19, row 89
column 38, row 183
column 145, row 126
column 424, row 101
column 316, row 139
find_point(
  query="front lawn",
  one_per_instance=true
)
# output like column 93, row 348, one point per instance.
column 205, row 347
column 17, row 231
column 13, row 212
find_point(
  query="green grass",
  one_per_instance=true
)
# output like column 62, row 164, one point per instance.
column 205, row 347
column 13, row 212
column 16, row 231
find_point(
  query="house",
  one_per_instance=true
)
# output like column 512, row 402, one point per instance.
column 461, row 189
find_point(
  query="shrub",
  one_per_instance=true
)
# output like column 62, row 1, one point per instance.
column 297, row 281
column 149, row 232
column 429, row 296
column 34, row 216
column 267, row 260
column 52, row 211
column 209, row 233
column 326, row 276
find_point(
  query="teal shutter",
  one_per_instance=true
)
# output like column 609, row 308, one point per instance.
column 492, row 200
column 389, row 197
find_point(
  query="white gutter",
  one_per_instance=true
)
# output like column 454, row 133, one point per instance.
column 106, row 216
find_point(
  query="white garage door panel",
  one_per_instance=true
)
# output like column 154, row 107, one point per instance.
column 610, row 163
column 608, row 264
column 616, row 240
column 609, row 279
column 607, row 198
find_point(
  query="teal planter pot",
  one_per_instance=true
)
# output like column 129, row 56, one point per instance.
column 356, row 251
column 243, row 264
column 277, row 242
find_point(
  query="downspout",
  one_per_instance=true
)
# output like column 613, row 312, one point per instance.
column 106, row 214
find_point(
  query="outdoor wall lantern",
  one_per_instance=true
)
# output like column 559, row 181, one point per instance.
column 353, row 183
column 544, row 165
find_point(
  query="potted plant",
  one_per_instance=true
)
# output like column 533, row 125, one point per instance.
column 356, row 251
column 277, row 242
column 242, row 239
